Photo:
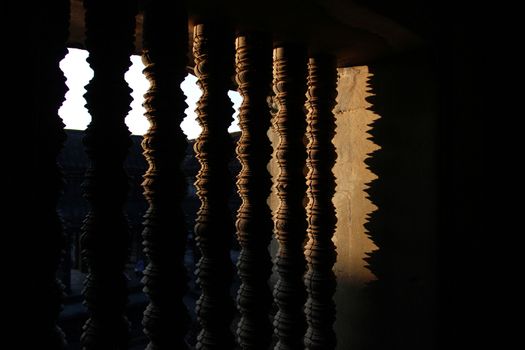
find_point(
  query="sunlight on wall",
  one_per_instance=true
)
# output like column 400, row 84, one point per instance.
column 354, row 120
column 78, row 74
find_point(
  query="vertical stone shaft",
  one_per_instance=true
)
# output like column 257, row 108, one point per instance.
column 47, row 243
column 109, row 39
column 290, row 224
column 320, row 250
column 254, row 218
column 213, row 51
column 166, row 318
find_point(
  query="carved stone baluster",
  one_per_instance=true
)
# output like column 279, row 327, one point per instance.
column 320, row 250
column 254, row 218
column 290, row 225
column 213, row 52
column 166, row 319
column 109, row 40
column 47, row 243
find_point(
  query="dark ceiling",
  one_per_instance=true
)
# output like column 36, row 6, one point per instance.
column 357, row 32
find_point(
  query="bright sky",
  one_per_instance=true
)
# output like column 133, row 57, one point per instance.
column 78, row 74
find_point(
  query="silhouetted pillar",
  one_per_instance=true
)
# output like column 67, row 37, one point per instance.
column 320, row 250
column 46, row 244
column 290, row 224
column 254, row 218
column 166, row 318
column 109, row 39
column 214, row 56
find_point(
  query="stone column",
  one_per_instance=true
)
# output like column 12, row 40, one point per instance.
column 290, row 220
column 214, row 56
column 110, row 30
column 166, row 319
column 254, row 218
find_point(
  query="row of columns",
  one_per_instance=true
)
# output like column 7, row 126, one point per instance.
column 306, row 283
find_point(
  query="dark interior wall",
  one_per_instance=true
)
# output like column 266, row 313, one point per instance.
column 467, row 180
column 402, row 311
column 435, row 181
column 432, row 265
